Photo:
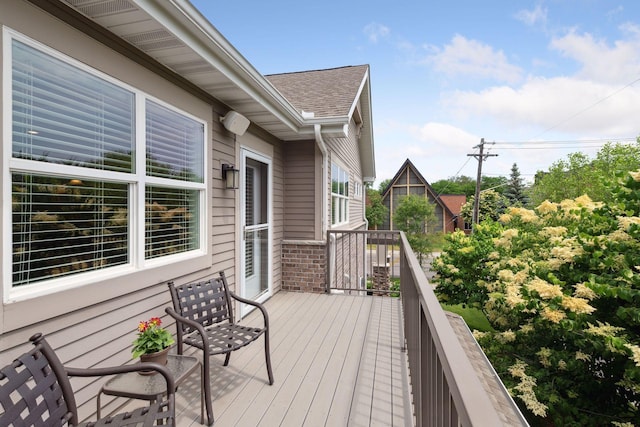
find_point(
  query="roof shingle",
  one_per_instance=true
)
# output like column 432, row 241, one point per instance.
column 326, row 93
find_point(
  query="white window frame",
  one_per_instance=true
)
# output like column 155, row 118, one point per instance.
column 342, row 200
column 137, row 182
column 357, row 189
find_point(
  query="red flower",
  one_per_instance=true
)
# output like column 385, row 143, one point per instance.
column 143, row 326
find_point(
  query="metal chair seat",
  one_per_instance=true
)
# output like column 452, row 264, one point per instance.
column 204, row 318
column 35, row 391
column 223, row 338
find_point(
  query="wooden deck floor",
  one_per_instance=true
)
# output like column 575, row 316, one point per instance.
column 336, row 359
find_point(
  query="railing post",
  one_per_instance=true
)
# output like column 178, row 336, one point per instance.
column 328, row 263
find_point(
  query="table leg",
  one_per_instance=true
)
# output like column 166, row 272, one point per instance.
column 98, row 404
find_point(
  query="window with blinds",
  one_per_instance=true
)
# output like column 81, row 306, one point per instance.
column 171, row 226
column 174, row 144
column 63, row 227
column 64, row 115
column 67, row 121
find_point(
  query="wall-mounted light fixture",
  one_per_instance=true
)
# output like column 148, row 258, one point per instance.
column 235, row 122
column 231, row 177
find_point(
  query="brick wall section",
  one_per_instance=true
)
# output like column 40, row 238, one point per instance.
column 304, row 266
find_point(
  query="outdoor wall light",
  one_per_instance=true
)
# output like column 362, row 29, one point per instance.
column 231, row 177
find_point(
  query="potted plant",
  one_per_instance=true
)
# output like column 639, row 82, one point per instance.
column 153, row 342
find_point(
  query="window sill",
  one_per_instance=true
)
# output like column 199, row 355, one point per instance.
column 42, row 307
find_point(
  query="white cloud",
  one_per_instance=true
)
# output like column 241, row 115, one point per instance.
column 375, row 31
column 562, row 103
column 465, row 57
column 437, row 149
column 533, row 17
column 614, row 12
column 617, row 64
column 443, row 137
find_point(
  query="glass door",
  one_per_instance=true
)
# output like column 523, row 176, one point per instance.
column 256, row 227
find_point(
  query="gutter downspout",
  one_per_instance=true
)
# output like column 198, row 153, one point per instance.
column 325, row 177
column 325, row 174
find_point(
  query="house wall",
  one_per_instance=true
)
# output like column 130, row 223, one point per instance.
column 346, row 151
column 94, row 325
column 301, row 211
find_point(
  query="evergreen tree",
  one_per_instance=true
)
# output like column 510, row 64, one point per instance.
column 515, row 191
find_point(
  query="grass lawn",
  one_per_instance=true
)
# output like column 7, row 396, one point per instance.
column 475, row 318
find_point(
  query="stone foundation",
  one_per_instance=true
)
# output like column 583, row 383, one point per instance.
column 381, row 277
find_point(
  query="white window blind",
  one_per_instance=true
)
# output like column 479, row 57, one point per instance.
column 66, row 221
column 64, row 115
column 250, row 219
column 172, row 224
column 63, row 227
column 174, row 144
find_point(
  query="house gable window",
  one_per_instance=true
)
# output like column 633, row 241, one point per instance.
column 339, row 195
column 103, row 178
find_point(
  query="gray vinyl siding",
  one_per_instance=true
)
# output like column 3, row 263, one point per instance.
column 94, row 325
column 345, row 151
column 300, row 201
column 279, row 210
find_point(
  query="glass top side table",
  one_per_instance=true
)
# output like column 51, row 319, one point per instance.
column 152, row 387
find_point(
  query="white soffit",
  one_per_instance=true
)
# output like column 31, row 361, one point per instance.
column 176, row 35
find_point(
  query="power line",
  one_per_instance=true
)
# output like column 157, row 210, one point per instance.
column 449, row 181
column 552, row 147
column 589, row 107
column 566, row 141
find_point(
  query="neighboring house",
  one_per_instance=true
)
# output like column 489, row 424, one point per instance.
column 120, row 121
column 408, row 180
column 455, row 202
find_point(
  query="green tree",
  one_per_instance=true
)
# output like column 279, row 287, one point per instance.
column 376, row 212
column 497, row 183
column 579, row 174
column 492, row 205
column 415, row 215
column 455, row 185
column 467, row 186
column 560, row 286
column 383, row 185
column 515, row 191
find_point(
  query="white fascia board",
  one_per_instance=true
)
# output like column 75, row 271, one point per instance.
column 364, row 91
column 183, row 20
column 331, row 127
column 363, row 84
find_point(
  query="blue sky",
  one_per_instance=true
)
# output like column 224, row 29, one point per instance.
column 540, row 78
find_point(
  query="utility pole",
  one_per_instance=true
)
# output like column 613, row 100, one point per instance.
column 480, row 157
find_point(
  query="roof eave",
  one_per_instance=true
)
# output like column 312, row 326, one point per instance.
column 189, row 25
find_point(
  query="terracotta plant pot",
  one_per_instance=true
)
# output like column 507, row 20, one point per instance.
column 159, row 357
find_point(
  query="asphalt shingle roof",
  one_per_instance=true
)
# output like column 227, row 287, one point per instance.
column 326, row 93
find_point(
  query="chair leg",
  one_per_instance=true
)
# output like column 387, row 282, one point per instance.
column 206, row 382
column 227, row 358
column 267, row 353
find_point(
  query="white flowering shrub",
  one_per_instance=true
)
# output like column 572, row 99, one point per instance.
column 560, row 285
